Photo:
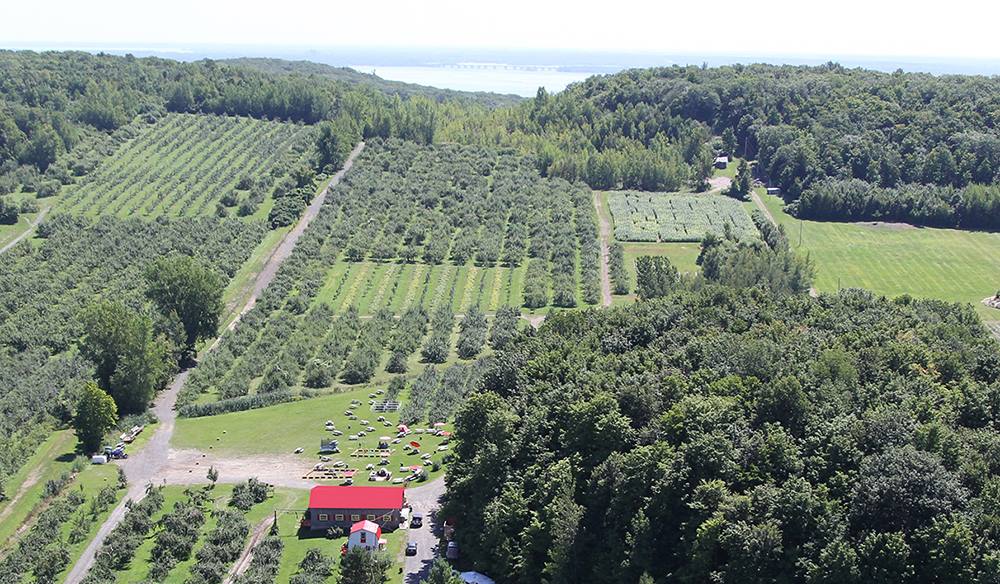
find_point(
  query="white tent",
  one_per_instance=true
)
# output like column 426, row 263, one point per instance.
column 476, row 578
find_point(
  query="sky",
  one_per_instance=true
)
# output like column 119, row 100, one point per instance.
column 957, row 29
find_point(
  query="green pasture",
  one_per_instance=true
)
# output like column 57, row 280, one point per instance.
column 947, row 264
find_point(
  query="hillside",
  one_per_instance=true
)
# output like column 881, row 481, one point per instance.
column 353, row 77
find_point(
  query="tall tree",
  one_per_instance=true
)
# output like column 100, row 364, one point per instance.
column 132, row 363
column 96, row 414
column 361, row 566
column 186, row 287
column 655, row 276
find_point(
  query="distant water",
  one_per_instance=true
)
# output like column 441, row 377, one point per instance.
column 495, row 77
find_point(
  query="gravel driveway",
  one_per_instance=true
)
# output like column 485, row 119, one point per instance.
column 424, row 499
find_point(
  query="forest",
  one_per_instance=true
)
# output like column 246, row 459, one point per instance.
column 659, row 128
column 723, row 434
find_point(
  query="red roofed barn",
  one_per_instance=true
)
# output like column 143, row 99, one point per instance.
column 345, row 506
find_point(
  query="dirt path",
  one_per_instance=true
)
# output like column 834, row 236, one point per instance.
column 763, row 208
column 605, row 236
column 30, row 230
column 246, row 557
column 149, row 465
column 284, row 249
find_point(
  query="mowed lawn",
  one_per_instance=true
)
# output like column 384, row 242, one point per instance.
column 282, row 428
column 948, row 264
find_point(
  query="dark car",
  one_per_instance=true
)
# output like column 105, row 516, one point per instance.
column 417, row 520
column 411, row 548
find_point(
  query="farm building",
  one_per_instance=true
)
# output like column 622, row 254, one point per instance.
column 773, row 191
column 367, row 535
column 722, row 162
column 345, row 506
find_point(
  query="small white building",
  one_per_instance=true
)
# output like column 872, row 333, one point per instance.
column 721, row 162
column 366, row 534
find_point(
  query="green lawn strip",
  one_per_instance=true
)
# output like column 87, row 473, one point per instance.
column 378, row 278
column 52, row 458
column 515, row 289
column 348, row 294
column 947, row 264
column 282, row 428
column 333, row 281
column 411, row 278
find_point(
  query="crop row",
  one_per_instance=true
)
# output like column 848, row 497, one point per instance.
column 186, row 165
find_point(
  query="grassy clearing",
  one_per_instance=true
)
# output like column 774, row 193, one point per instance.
column 282, row 428
column 948, row 264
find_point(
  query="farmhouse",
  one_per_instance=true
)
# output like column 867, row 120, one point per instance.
column 721, row 162
column 346, row 506
column 367, row 535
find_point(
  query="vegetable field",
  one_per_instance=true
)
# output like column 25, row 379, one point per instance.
column 652, row 217
column 186, row 164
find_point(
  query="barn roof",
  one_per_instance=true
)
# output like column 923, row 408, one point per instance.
column 329, row 497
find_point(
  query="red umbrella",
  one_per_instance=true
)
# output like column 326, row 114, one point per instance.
column 415, row 444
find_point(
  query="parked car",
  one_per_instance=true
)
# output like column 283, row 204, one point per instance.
column 452, row 552
column 411, row 548
column 417, row 520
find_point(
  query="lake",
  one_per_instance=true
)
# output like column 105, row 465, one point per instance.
column 495, row 77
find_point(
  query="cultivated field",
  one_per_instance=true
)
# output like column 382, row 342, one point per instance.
column 664, row 217
column 184, row 165
column 948, row 264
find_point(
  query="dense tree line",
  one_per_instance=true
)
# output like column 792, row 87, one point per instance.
column 969, row 207
column 736, row 435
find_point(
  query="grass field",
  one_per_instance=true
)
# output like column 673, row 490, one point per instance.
column 182, row 166
column 948, row 264
column 282, row 428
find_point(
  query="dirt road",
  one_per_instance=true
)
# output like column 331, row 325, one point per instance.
column 246, row 557
column 424, row 499
column 605, row 236
column 287, row 244
column 148, row 466
column 763, row 208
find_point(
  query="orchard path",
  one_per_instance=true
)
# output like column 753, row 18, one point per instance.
column 146, row 466
column 605, row 232
column 767, row 213
column 29, row 231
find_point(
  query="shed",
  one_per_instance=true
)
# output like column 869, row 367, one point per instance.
column 773, row 190
column 367, row 535
column 721, row 162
